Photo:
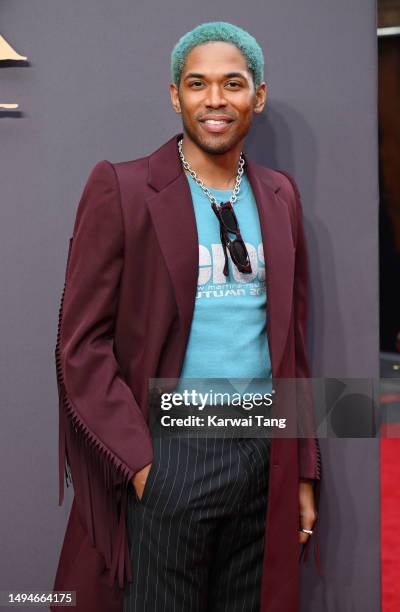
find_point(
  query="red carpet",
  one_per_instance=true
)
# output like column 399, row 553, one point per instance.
column 390, row 519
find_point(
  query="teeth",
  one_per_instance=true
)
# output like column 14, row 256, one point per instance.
column 215, row 121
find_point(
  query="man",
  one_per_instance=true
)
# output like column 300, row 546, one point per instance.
column 186, row 522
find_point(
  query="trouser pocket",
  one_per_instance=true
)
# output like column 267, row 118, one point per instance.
column 149, row 484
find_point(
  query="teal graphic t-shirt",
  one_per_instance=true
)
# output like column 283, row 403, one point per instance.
column 228, row 336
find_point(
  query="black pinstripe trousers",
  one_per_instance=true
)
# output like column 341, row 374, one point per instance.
column 196, row 536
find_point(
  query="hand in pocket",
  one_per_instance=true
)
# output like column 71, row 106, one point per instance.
column 139, row 480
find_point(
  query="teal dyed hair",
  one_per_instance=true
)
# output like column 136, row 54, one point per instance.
column 218, row 31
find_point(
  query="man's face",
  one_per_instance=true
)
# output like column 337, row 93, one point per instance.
column 216, row 84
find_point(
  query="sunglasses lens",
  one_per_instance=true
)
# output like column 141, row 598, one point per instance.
column 228, row 218
column 239, row 252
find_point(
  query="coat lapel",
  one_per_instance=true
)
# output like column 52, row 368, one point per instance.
column 279, row 255
column 173, row 217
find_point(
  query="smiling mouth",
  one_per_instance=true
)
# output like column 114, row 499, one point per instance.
column 216, row 125
column 216, row 121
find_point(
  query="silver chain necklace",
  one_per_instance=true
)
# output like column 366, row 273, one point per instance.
column 210, row 196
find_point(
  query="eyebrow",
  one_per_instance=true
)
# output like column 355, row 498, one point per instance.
column 228, row 75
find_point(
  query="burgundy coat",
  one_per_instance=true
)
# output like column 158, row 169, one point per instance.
column 125, row 317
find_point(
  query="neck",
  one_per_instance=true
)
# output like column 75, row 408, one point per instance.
column 216, row 171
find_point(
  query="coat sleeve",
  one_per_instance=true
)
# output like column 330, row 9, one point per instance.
column 103, row 437
column 309, row 453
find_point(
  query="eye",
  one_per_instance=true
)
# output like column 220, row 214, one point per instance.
column 195, row 83
column 235, row 83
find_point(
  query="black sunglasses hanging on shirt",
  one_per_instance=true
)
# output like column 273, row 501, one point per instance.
column 229, row 224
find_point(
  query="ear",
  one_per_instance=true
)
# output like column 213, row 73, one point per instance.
column 260, row 97
column 173, row 90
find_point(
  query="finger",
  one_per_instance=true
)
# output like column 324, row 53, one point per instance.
column 304, row 537
column 307, row 521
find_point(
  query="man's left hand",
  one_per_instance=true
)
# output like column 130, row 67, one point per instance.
column 308, row 513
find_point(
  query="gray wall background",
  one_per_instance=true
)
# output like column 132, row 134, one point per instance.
column 97, row 87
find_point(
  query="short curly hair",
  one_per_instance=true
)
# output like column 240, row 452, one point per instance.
column 218, row 31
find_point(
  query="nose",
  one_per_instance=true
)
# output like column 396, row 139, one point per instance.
column 215, row 97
